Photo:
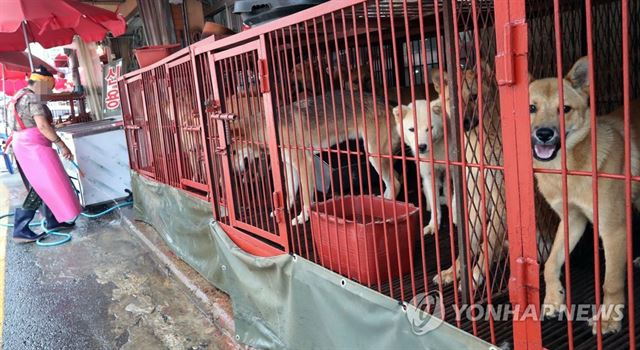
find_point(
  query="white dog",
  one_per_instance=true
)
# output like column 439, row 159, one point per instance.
column 418, row 130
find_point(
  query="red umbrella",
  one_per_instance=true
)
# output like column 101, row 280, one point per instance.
column 13, row 85
column 54, row 23
column 14, row 67
column 18, row 61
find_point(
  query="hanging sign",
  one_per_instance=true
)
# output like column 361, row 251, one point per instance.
column 110, row 93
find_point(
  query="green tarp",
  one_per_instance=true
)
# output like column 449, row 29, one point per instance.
column 284, row 302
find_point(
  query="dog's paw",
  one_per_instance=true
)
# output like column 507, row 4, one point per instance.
column 445, row 277
column 429, row 229
column 391, row 192
column 478, row 277
column 609, row 325
column 554, row 303
column 300, row 219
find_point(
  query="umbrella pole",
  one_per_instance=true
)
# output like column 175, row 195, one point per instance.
column 26, row 41
column 4, row 103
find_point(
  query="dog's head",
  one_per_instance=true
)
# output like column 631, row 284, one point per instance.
column 301, row 77
column 545, row 106
column 242, row 155
column 350, row 78
column 469, row 91
column 420, row 128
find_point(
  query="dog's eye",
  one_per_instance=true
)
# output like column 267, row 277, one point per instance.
column 412, row 129
column 533, row 108
column 567, row 109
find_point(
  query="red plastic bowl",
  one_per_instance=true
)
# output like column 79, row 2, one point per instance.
column 358, row 237
column 149, row 55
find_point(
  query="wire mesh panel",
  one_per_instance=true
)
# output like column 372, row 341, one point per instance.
column 193, row 176
column 138, row 129
column 585, row 143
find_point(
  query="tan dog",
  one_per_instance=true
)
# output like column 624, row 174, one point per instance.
column 302, row 133
column 419, row 135
column 392, row 91
column 545, row 135
column 491, row 153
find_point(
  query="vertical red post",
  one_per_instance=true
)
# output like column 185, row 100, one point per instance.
column 512, row 76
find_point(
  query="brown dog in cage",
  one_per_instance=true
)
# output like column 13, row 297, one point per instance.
column 353, row 79
column 546, row 143
column 401, row 95
column 491, row 154
column 311, row 125
column 419, row 134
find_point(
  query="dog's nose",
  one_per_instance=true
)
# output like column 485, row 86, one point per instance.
column 422, row 147
column 545, row 134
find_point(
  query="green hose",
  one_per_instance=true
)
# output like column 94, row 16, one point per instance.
column 66, row 236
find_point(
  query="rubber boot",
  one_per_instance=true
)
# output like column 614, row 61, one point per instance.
column 21, row 231
column 50, row 220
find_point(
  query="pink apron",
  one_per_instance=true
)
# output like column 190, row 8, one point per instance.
column 42, row 167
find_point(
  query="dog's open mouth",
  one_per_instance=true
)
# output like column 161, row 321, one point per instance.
column 545, row 152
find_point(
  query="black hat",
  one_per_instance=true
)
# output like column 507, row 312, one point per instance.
column 42, row 70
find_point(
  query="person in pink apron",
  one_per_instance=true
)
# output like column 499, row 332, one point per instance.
column 33, row 136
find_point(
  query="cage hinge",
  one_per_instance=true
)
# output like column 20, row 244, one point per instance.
column 263, row 71
column 278, row 206
column 514, row 44
column 524, row 280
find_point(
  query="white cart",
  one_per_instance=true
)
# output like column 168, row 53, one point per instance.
column 100, row 151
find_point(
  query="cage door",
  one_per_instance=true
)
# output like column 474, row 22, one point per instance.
column 247, row 142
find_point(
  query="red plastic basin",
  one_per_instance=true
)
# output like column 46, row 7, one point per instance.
column 358, row 237
column 149, row 55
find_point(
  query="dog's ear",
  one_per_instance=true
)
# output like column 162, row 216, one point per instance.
column 578, row 76
column 435, row 79
column 398, row 112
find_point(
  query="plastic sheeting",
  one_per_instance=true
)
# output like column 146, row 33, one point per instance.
column 284, row 302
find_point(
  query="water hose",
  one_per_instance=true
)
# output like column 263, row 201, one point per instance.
column 66, row 236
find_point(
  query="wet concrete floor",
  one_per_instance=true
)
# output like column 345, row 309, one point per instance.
column 102, row 290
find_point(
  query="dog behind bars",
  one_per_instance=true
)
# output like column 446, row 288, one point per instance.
column 425, row 136
column 544, row 109
column 490, row 153
column 312, row 125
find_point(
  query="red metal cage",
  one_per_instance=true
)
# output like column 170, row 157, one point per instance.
column 421, row 105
